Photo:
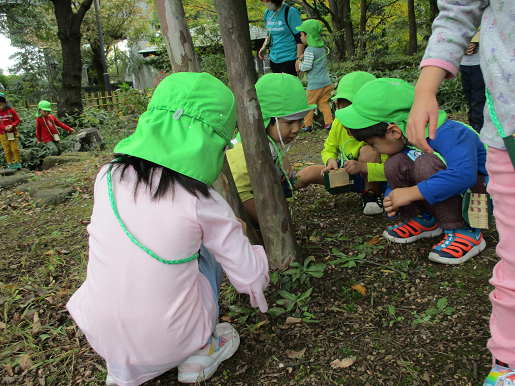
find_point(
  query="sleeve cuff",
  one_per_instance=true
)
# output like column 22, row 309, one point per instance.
column 452, row 71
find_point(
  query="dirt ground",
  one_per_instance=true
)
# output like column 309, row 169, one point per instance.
column 382, row 311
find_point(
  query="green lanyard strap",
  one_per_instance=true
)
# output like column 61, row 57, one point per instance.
column 117, row 215
column 493, row 116
column 280, row 160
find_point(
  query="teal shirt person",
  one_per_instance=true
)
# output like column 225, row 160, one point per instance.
column 284, row 45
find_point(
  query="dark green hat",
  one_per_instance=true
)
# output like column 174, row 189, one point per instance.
column 189, row 121
column 386, row 100
column 282, row 96
column 350, row 84
column 313, row 30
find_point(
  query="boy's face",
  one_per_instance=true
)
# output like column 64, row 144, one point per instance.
column 45, row 113
column 3, row 105
column 289, row 130
column 391, row 144
column 303, row 37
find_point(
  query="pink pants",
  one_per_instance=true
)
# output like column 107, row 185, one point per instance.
column 502, row 189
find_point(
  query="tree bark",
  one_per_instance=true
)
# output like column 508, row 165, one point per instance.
column 433, row 10
column 181, row 52
column 336, row 7
column 68, row 25
column 176, row 33
column 363, row 27
column 412, row 48
column 349, row 34
column 274, row 217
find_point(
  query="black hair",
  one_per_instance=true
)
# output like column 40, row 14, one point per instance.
column 272, row 121
column 277, row 2
column 342, row 100
column 146, row 172
column 3, row 99
column 377, row 130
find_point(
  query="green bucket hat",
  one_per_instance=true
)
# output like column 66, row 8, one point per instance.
column 282, row 96
column 45, row 105
column 313, row 30
column 386, row 100
column 189, row 121
column 351, row 83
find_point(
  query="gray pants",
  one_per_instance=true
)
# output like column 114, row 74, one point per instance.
column 54, row 147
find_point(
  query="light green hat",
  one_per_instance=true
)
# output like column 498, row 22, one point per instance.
column 282, row 96
column 313, row 30
column 189, row 121
column 351, row 83
column 386, row 100
column 45, row 105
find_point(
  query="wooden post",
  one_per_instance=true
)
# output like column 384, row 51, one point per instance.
column 273, row 214
column 181, row 52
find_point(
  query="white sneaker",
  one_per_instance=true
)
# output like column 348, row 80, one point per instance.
column 202, row 366
column 371, row 203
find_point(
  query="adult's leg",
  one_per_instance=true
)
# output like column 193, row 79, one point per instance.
column 288, row 67
column 52, row 147
column 7, row 149
column 501, row 187
column 323, row 104
column 447, row 212
column 477, row 98
column 399, row 172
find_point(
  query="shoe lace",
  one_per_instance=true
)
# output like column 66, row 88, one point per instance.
column 448, row 239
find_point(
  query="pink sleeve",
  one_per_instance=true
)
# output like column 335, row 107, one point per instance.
column 451, row 70
column 246, row 266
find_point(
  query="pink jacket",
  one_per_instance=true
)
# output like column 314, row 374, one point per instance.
column 143, row 316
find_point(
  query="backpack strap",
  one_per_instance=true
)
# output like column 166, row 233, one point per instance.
column 286, row 12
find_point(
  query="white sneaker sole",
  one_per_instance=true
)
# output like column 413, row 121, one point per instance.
column 372, row 209
column 209, row 371
column 447, row 260
column 423, row 235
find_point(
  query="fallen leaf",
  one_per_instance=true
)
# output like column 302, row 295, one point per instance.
column 240, row 371
column 292, row 320
column 226, row 318
column 19, row 192
column 327, row 258
column 426, row 377
column 374, row 241
column 359, row 288
column 25, row 362
column 85, row 222
column 297, row 165
column 309, row 163
column 385, row 251
column 343, row 363
column 295, row 354
column 62, row 252
column 50, row 252
column 9, row 369
column 2, row 325
column 36, row 326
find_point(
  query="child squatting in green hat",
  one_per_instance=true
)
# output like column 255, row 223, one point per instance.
column 46, row 128
column 358, row 159
column 160, row 238
column 284, row 105
column 314, row 63
column 425, row 188
column 9, row 134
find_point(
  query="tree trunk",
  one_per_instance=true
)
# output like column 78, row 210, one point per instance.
column 274, row 217
column 412, row 48
column 97, row 64
column 363, row 27
column 68, row 25
column 182, row 56
column 349, row 34
column 433, row 10
column 176, row 33
column 336, row 7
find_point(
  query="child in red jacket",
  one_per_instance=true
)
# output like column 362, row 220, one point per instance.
column 46, row 128
column 9, row 135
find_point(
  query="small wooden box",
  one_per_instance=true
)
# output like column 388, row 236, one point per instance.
column 338, row 181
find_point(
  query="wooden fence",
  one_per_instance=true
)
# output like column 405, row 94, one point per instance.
column 94, row 99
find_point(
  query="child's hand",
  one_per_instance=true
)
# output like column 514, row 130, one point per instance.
column 8, row 127
column 470, row 50
column 39, row 143
column 331, row 165
column 73, row 131
column 388, row 207
column 355, row 167
column 401, row 197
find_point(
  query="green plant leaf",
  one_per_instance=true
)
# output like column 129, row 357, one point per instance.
column 305, row 295
column 287, row 295
column 391, row 310
column 317, row 267
column 442, row 303
column 276, row 311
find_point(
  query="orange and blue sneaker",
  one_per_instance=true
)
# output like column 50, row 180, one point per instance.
column 419, row 227
column 500, row 375
column 458, row 246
